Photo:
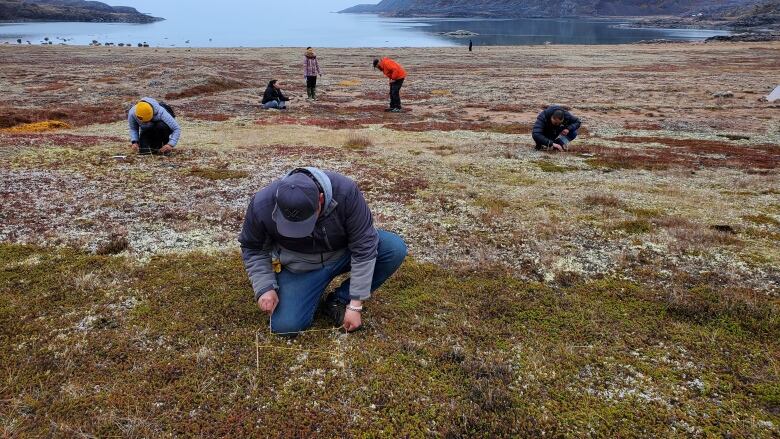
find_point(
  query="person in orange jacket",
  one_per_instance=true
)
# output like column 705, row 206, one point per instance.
column 396, row 74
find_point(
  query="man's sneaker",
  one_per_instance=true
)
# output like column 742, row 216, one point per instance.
column 395, row 110
column 333, row 309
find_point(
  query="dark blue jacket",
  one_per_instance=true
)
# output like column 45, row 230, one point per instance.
column 346, row 224
column 545, row 132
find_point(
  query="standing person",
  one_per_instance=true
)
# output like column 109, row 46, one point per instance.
column 471, row 45
column 153, row 127
column 311, row 68
column 302, row 231
column 555, row 128
column 396, row 74
column 273, row 96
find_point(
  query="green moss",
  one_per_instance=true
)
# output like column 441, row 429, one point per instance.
column 548, row 166
column 469, row 351
column 769, row 394
column 217, row 174
column 601, row 163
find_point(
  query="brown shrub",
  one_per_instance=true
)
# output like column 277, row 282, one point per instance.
column 214, row 117
column 745, row 307
column 689, row 235
column 56, row 139
column 686, row 154
column 603, row 200
column 116, row 244
column 212, row 85
column 76, row 115
column 358, row 141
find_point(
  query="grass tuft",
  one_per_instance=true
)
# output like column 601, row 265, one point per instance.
column 358, row 141
column 217, row 174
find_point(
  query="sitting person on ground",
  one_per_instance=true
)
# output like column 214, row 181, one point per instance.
column 311, row 68
column 396, row 74
column 273, row 96
column 302, row 231
column 153, row 127
column 555, row 128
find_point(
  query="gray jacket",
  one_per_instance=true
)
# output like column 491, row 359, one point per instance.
column 160, row 114
column 345, row 225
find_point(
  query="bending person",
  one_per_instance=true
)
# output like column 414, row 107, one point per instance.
column 302, row 231
column 555, row 128
column 396, row 74
column 153, row 127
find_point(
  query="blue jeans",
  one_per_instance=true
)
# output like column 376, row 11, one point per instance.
column 299, row 293
column 571, row 136
column 275, row 104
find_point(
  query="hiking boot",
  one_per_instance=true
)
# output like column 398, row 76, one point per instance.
column 333, row 309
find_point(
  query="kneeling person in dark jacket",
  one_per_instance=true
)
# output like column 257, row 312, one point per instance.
column 153, row 127
column 555, row 128
column 273, row 96
column 302, row 231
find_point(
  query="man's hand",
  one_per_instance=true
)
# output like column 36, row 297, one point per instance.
column 352, row 320
column 166, row 149
column 565, row 132
column 556, row 147
column 134, row 147
column 268, row 301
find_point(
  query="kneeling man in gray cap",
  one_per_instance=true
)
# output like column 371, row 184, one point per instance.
column 303, row 230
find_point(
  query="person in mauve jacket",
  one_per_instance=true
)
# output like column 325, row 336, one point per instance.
column 555, row 128
column 302, row 231
column 311, row 68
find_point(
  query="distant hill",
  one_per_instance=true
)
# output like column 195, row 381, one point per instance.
column 549, row 8
column 70, row 10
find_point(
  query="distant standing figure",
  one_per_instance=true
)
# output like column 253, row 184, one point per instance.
column 471, row 45
column 153, row 127
column 273, row 96
column 311, row 68
column 555, row 128
column 396, row 74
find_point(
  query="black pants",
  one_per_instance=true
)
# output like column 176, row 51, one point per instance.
column 311, row 82
column 395, row 93
column 154, row 137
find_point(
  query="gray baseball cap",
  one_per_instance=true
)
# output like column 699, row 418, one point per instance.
column 297, row 202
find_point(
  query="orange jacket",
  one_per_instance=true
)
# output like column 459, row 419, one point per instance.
column 391, row 69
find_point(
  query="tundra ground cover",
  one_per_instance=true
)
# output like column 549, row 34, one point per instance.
column 628, row 288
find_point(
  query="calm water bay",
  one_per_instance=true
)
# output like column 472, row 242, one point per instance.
column 242, row 23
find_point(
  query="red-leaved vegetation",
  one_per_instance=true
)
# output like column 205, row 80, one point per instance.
column 682, row 153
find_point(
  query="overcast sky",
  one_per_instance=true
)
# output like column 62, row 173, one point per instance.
column 285, row 8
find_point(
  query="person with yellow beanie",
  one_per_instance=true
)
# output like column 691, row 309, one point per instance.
column 153, row 127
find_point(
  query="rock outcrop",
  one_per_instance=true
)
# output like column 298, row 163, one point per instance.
column 70, row 10
column 686, row 13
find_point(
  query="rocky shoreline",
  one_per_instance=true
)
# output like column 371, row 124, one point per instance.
column 12, row 11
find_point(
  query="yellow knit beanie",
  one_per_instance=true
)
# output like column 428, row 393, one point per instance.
column 144, row 111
